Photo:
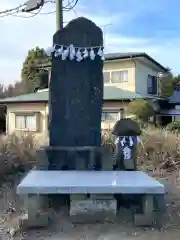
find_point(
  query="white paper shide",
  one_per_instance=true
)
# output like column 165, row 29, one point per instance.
column 75, row 53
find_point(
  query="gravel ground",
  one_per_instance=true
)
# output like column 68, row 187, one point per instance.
column 123, row 229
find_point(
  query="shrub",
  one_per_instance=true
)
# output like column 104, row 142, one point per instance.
column 142, row 109
column 17, row 152
column 173, row 126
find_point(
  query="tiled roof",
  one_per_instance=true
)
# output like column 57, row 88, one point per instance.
column 110, row 93
column 116, row 56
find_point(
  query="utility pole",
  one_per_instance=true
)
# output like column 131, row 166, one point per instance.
column 59, row 14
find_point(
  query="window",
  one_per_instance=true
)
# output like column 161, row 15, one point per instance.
column 26, row 122
column 106, row 76
column 119, row 76
column 151, row 84
column 110, row 116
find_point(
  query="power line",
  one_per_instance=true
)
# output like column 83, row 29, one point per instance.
column 68, row 7
column 20, row 9
column 71, row 4
column 13, row 9
column 32, row 14
column 46, row 13
column 75, row 12
column 49, row 1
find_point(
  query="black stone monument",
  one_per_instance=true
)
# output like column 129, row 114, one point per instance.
column 75, row 99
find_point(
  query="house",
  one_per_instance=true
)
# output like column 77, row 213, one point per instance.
column 173, row 111
column 136, row 72
column 126, row 77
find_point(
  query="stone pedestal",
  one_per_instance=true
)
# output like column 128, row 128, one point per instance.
column 146, row 218
column 92, row 211
column 107, row 161
column 37, row 211
column 153, row 208
column 74, row 158
column 42, row 159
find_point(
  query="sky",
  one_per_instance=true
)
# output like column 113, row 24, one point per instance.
column 128, row 26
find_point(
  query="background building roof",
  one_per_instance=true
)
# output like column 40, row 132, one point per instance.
column 110, row 93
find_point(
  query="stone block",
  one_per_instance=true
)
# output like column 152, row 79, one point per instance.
column 102, row 196
column 148, row 204
column 37, row 215
column 35, row 203
column 92, row 211
column 42, row 159
column 160, row 209
column 40, row 219
column 159, row 203
column 107, row 161
column 129, row 164
column 148, row 217
column 37, row 208
column 78, row 197
column 80, row 163
column 144, row 220
column 153, row 209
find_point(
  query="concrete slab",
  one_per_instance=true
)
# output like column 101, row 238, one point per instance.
column 94, row 182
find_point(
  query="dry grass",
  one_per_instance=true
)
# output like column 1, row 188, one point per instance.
column 160, row 150
column 17, row 152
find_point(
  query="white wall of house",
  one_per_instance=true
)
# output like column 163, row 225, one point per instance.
column 133, row 74
column 126, row 71
column 30, row 117
column 143, row 69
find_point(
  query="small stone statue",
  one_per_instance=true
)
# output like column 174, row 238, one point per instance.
column 126, row 132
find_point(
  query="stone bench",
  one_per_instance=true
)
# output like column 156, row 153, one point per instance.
column 100, row 186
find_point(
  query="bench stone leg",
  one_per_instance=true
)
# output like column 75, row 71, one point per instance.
column 159, row 202
column 147, row 218
column 92, row 211
column 160, row 208
column 37, row 211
